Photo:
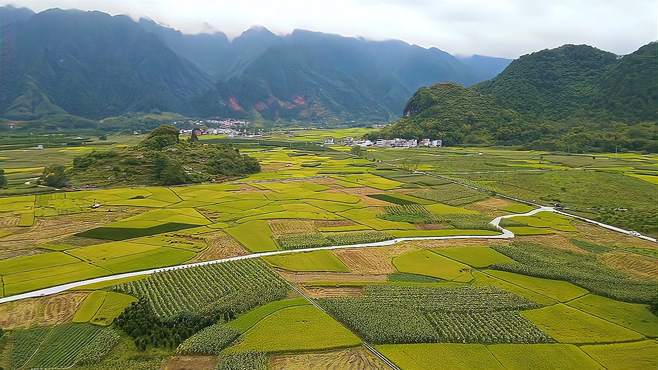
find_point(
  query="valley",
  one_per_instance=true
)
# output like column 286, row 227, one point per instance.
column 317, row 239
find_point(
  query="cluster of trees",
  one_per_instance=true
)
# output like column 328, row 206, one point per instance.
column 163, row 159
column 147, row 329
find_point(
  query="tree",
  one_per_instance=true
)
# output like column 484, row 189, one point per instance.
column 169, row 171
column 3, row 179
column 194, row 138
column 358, row 151
column 54, row 176
column 161, row 137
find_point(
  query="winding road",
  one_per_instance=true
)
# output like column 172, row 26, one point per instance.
column 506, row 234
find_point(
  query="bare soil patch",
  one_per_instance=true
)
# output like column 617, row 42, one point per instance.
column 633, row 264
column 347, row 359
column 43, row 311
column 371, row 260
column 191, row 363
column 220, row 245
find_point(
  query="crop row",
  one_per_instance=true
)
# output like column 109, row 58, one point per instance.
column 315, row 240
column 413, row 213
column 62, row 346
column 451, row 299
column 399, row 314
column 209, row 341
column 485, row 327
column 580, row 269
column 231, row 286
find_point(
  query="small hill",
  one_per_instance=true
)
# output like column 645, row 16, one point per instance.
column 454, row 113
column 161, row 159
column 573, row 98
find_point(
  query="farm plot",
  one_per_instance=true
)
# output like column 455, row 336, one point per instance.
column 44, row 311
column 445, row 355
column 582, row 269
column 232, row 288
column 633, row 316
column 403, row 314
column 256, row 236
column 556, row 289
column 542, row 356
column 101, row 307
column 346, row 359
column 569, row 325
column 451, row 194
column 299, row 328
column 309, row 261
column 476, row 256
column 625, row 356
column 62, row 346
column 426, row 262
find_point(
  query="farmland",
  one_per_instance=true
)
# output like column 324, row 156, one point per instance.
column 560, row 294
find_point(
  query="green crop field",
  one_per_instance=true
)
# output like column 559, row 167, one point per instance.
column 310, row 261
column 299, row 328
column 561, row 294
column 636, row 355
column 569, row 325
column 446, row 356
column 425, row 262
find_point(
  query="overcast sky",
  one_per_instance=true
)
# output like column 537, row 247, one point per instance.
column 506, row 28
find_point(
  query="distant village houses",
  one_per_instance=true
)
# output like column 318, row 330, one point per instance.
column 394, row 143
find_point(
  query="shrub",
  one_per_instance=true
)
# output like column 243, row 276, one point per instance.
column 243, row 361
column 54, row 176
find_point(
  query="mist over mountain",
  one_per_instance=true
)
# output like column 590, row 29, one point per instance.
column 94, row 65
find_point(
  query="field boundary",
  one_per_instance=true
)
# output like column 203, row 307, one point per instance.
column 505, row 234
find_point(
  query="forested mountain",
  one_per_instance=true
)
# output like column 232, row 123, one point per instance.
column 575, row 98
column 93, row 65
column 90, row 64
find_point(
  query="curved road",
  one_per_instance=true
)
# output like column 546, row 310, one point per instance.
column 506, row 234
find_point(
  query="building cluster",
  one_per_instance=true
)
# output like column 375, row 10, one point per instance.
column 383, row 143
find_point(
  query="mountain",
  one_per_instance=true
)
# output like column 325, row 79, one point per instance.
column 318, row 76
column 574, row 96
column 484, row 67
column 93, row 65
column 10, row 14
column 71, row 63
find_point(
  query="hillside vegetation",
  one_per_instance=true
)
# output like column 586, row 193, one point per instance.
column 573, row 98
column 161, row 159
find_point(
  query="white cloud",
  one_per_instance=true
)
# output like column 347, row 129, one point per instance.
column 492, row 27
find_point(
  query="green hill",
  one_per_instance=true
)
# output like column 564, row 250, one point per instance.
column 573, row 98
column 161, row 159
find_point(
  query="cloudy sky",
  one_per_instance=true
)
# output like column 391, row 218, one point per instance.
column 506, row 28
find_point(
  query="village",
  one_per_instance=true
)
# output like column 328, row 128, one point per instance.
column 383, row 143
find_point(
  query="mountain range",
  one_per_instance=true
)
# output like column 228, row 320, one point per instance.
column 92, row 65
column 574, row 97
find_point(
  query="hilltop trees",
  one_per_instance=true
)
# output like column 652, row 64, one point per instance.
column 54, row 176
